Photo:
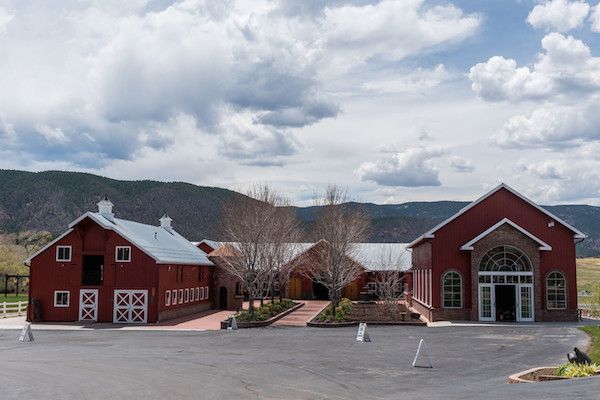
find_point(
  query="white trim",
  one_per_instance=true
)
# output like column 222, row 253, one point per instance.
column 186, row 295
column 87, row 311
column 492, row 289
column 469, row 245
column 167, row 298
column 174, row 297
column 46, row 247
column 453, row 271
column 70, row 253
column 130, row 306
column 117, row 248
column 206, row 293
column 180, row 296
column 565, row 290
column 198, row 294
column 68, row 292
column 430, row 234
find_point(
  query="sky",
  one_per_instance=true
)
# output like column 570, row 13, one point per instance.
column 396, row 100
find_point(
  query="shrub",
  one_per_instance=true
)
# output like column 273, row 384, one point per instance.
column 572, row 370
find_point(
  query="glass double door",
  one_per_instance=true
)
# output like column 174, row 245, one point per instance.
column 523, row 302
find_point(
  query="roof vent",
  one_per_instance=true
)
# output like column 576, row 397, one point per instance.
column 165, row 222
column 105, row 208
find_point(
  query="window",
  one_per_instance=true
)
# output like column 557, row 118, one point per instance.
column 63, row 253
column 202, row 293
column 505, row 258
column 61, row 298
column 556, row 291
column 198, row 294
column 174, row 296
column 206, row 292
column 186, row 297
column 168, row 298
column 123, row 254
column 452, row 290
column 180, row 296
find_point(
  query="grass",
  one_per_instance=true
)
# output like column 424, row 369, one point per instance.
column 588, row 275
column 342, row 312
column 594, row 351
column 12, row 298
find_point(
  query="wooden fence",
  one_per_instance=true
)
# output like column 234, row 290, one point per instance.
column 13, row 309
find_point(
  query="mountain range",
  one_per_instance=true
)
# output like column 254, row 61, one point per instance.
column 50, row 200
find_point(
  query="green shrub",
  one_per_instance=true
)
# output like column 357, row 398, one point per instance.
column 572, row 370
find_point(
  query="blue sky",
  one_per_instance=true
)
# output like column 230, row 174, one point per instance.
column 398, row 100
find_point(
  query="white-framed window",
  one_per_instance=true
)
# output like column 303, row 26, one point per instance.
column 123, row 254
column 205, row 292
column 174, row 297
column 62, row 298
column 63, row 253
column 556, row 291
column 180, row 296
column 198, row 294
column 186, row 296
column 167, row 298
column 202, row 293
column 452, row 290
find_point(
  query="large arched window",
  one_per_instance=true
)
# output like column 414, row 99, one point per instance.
column 505, row 259
column 556, row 291
column 452, row 290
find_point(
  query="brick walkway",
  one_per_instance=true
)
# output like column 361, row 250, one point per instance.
column 304, row 314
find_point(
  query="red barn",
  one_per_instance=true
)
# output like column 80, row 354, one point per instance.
column 108, row 269
column 501, row 258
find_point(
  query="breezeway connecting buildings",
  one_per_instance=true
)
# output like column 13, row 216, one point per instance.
column 502, row 257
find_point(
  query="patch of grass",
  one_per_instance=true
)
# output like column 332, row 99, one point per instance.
column 267, row 311
column 12, row 298
column 342, row 312
column 594, row 351
column 588, row 274
column 571, row 370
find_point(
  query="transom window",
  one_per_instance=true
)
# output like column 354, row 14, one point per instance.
column 63, row 253
column 505, row 259
column 61, row 298
column 452, row 290
column 556, row 291
column 123, row 254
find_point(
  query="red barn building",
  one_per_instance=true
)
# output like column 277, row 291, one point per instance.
column 501, row 258
column 108, row 269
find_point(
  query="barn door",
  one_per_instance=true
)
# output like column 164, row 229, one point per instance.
column 130, row 306
column 88, row 305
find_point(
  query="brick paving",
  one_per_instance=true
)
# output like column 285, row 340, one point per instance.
column 304, row 314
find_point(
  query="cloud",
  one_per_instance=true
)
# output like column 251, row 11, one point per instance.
column 563, row 180
column 560, row 15
column 544, row 170
column 411, row 167
column 411, row 81
column 552, row 127
column 595, row 18
column 461, row 165
column 5, row 18
column 567, row 68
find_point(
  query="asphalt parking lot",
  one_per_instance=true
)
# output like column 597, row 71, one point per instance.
column 288, row 363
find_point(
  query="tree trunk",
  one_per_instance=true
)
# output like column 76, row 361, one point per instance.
column 251, row 304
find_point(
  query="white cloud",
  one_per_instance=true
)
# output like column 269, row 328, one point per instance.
column 411, row 167
column 5, row 18
column 595, row 18
column 563, row 180
column 566, row 68
column 549, row 169
column 411, row 81
column 461, row 165
column 560, row 15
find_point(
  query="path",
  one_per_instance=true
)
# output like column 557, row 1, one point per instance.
column 304, row 314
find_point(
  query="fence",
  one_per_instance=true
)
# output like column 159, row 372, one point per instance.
column 13, row 309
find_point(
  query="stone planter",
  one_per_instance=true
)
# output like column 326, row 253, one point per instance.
column 538, row 374
column 260, row 324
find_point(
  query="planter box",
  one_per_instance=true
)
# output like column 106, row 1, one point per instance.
column 539, row 374
column 316, row 324
column 266, row 322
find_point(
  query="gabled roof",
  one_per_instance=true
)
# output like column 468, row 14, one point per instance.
column 469, row 245
column 164, row 246
column 577, row 234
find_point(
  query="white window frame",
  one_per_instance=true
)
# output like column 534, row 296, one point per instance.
column 64, row 259
column 460, row 278
column 202, row 293
column 180, row 296
column 186, row 295
column 548, row 291
column 167, row 298
column 205, row 292
column 56, row 292
column 198, row 294
column 117, row 248
column 174, row 297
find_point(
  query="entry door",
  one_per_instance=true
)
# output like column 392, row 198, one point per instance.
column 130, row 306
column 88, row 305
column 487, row 305
column 295, row 286
column 525, row 310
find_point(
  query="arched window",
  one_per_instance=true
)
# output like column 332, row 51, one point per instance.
column 505, row 258
column 452, row 290
column 238, row 289
column 556, row 291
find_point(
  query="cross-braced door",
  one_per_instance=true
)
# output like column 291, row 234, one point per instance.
column 130, row 306
column 88, row 304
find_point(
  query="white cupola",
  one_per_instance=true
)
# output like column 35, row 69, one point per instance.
column 165, row 222
column 105, row 208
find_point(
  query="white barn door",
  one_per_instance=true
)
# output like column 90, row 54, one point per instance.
column 88, row 305
column 130, row 306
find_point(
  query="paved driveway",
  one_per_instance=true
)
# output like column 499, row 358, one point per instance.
column 288, row 363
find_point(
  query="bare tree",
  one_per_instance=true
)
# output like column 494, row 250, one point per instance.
column 389, row 280
column 262, row 233
column 339, row 226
